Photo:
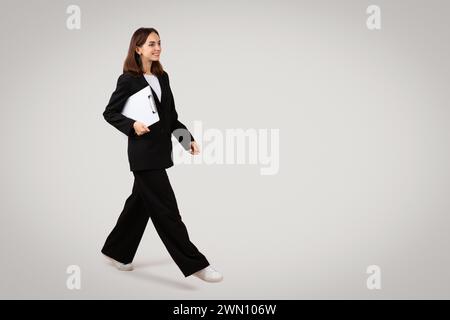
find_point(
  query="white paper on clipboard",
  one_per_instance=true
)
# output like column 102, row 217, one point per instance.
column 141, row 107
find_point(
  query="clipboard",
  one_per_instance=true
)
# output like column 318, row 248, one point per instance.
column 141, row 107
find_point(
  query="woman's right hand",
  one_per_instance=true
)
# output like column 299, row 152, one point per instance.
column 140, row 128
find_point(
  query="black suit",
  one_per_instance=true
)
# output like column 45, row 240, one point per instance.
column 152, row 195
column 152, row 150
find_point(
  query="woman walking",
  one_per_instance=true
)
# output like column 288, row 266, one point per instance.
column 150, row 154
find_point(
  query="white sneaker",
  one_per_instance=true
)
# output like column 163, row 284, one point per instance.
column 209, row 274
column 119, row 265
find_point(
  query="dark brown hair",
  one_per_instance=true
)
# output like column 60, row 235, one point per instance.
column 133, row 62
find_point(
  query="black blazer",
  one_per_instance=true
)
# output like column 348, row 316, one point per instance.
column 152, row 150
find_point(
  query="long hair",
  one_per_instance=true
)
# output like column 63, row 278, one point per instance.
column 133, row 62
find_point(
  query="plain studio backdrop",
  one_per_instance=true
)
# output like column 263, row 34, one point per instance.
column 363, row 173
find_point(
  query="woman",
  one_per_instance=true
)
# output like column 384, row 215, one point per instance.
column 149, row 154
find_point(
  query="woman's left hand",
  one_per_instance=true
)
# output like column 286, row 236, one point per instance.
column 194, row 148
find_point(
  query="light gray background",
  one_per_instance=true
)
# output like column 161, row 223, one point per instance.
column 364, row 148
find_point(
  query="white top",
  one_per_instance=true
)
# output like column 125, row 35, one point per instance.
column 154, row 83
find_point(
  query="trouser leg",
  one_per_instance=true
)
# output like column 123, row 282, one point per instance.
column 157, row 194
column 124, row 239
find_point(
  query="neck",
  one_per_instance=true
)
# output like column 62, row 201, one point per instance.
column 146, row 66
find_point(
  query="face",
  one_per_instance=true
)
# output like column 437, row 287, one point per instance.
column 151, row 49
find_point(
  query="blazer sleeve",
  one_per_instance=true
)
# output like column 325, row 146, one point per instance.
column 178, row 129
column 112, row 113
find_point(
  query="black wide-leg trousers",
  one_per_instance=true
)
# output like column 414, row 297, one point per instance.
column 153, row 197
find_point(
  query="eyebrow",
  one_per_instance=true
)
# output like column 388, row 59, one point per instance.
column 154, row 41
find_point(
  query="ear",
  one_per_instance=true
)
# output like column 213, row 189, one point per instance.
column 138, row 50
